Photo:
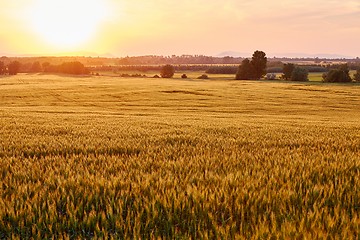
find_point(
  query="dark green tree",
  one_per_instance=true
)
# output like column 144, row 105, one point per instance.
column 245, row 70
column 258, row 62
column 254, row 69
column 299, row 74
column 287, row 70
column 167, row 71
column 14, row 67
column 338, row 75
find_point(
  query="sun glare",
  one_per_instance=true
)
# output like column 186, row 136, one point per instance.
column 68, row 23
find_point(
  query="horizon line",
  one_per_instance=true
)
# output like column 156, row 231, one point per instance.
column 221, row 55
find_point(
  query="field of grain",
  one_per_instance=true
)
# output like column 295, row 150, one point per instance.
column 84, row 157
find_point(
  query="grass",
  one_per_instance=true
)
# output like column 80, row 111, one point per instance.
column 137, row 158
column 316, row 77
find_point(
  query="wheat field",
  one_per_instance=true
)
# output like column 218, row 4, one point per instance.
column 128, row 158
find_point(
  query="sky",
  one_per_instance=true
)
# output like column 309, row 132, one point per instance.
column 167, row 27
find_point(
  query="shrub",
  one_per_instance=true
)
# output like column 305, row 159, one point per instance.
column 184, row 76
column 167, row 71
column 338, row 75
column 156, row 76
column 135, row 75
column 204, row 76
column 300, row 74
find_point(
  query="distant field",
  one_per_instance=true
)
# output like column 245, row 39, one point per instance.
column 313, row 76
column 84, row 157
column 177, row 75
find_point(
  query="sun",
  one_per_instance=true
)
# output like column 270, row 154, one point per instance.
column 68, row 23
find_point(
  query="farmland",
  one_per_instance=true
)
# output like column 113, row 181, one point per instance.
column 84, row 157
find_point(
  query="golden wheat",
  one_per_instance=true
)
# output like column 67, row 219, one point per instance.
column 150, row 158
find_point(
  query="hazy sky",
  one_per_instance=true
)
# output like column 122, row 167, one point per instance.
column 142, row 27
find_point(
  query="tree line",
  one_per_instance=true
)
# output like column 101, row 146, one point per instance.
column 250, row 69
column 256, row 68
column 174, row 59
column 76, row 68
column 14, row 68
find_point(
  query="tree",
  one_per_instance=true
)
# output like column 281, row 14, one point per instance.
column 254, row 69
column 36, row 67
column 258, row 62
column 299, row 74
column 338, row 75
column 184, row 76
column 73, row 68
column 287, row 70
column 45, row 66
column 2, row 68
column 245, row 70
column 14, row 67
column 357, row 75
column 167, row 71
